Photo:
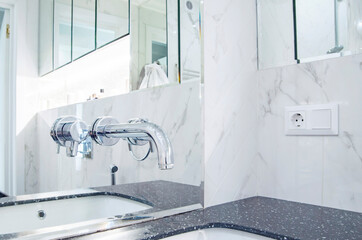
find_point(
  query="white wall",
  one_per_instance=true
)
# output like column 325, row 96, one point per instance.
column 176, row 109
column 107, row 68
column 60, row 88
column 4, row 96
column 230, row 100
column 25, row 31
column 246, row 152
column 318, row 170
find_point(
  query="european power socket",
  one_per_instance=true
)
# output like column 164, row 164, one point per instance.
column 298, row 120
column 311, row 120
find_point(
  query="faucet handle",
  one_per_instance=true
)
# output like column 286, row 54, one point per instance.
column 68, row 132
column 98, row 134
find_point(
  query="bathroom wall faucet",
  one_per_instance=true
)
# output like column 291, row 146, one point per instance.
column 107, row 131
column 69, row 132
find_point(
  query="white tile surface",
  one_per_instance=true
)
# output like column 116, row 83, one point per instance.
column 230, row 100
column 246, row 151
column 177, row 109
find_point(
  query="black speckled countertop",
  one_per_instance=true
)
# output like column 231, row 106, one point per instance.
column 2, row 195
column 160, row 195
column 268, row 217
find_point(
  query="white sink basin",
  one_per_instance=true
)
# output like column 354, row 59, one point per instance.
column 27, row 217
column 217, row 234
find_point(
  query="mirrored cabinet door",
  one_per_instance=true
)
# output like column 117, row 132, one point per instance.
column 149, row 39
column 46, row 37
column 62, row 32
column 112, row 20
column 84, row 27
column 337, row 31
column 300, row 31
column 70, row 29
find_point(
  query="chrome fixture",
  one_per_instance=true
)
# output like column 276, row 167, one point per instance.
column 114, row 169
column 69, row 132
column 86, row 148
column 107, row 131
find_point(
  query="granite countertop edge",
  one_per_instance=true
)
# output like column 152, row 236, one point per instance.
column 268, row 217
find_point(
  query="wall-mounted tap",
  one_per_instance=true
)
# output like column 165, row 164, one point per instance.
column 69, row 132
column 107, row 131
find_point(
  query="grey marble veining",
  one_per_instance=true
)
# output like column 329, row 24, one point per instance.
column 277, row 219
column 176, row 108
column 244, row 117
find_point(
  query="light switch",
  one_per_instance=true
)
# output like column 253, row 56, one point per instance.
column 321, row 119
column 309, row 120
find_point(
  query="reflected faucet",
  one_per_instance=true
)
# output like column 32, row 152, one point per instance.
column 107, row 131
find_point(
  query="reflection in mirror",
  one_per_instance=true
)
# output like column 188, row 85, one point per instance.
column 335, row 31
column 82, row 172
column 298, row 31
column 190, row 32
column 275, row 33
column 46, row 37
column 149, row 43
column 84, row 23
column 112, row 20
column 62, row 32
column 5, row 95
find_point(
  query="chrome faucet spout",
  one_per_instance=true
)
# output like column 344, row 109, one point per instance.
column 106, row 131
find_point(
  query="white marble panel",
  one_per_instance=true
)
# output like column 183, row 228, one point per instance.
column 246, row 151
column 319, row 170
column 230, row 100
column 176, row 108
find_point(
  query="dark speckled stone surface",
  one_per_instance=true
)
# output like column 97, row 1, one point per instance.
column 2, row 195
column 268, row 217
column 162, row 195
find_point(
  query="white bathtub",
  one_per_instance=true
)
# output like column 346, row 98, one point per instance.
column 33, row 216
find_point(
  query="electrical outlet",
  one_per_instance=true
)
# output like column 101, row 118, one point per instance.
column 297, row 120
column 309, row 120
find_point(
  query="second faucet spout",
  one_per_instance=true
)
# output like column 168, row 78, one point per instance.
column 107, row 131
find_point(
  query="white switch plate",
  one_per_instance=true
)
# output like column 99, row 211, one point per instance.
column 312, row 120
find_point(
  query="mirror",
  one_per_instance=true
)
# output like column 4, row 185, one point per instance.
column 71, row 29
column 62, row 32
column 299, row 31
column 149, row 41
column 113, row 58
column 46, row 36
column 83, row 25
column 112, row 21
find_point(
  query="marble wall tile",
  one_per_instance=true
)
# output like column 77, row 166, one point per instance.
column 230, row 100
column 323, row 170
column 176, row 108
column 246, row 151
